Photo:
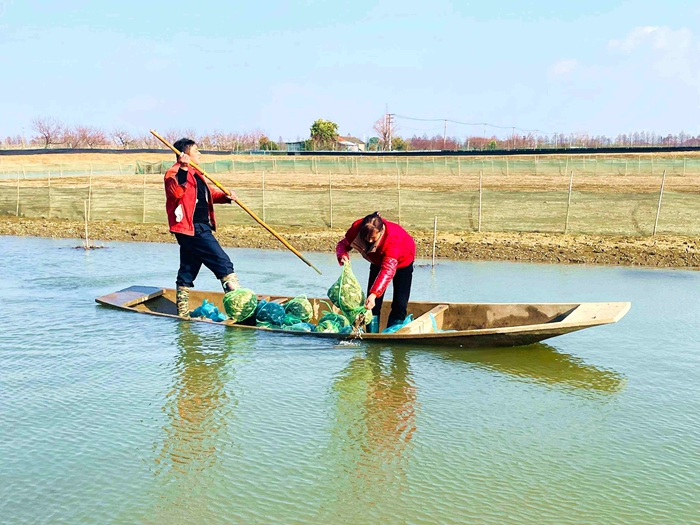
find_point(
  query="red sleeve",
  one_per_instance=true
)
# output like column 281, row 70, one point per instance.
column 218, row 196
column 386, row 274
column 345, row 244
column 172, row 188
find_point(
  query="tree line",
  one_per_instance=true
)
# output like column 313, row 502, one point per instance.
column 49, row 132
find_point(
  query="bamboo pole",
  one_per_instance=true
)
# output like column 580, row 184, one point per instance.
column 481, row 174
column 237, row 201
column 658, row 208
column 434, row 240
column 568, row 202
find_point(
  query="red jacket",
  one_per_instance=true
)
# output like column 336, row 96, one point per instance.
column 181, row 200
column 396, row 249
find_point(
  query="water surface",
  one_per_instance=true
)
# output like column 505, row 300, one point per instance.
column 113, row 417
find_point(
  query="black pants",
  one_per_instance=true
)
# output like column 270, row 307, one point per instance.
column 204, row 249
column 402, row 292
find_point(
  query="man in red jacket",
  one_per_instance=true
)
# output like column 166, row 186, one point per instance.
column 391, row 251
column 190, row 209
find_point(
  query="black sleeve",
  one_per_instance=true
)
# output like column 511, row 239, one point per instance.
column 181, row 176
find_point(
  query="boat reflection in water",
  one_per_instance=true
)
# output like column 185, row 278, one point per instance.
column 541, row 364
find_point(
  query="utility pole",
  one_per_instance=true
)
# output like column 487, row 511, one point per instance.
column 389, row 124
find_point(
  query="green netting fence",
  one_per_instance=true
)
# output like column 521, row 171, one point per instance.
column 627, row 165
column 459, row 206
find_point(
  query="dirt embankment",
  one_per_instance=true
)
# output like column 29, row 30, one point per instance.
column 660, row 251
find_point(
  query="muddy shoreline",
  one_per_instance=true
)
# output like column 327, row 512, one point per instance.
column 661, row 251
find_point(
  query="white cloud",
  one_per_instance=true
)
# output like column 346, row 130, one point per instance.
column 563, row 67
column 661, row 38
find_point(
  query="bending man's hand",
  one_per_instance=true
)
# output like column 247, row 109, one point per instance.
column 345, row 258
column 233, row 197
column 369, row 303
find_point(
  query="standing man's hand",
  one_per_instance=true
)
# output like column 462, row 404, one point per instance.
column 232, row 198
column 184, row 160
column 369, row 303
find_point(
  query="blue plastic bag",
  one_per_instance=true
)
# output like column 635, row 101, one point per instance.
column 209, row 311
column 393, row 328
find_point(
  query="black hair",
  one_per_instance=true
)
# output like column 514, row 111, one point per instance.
column 183, row 145
column 370, row 224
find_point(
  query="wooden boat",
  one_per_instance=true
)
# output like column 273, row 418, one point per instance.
column 466, row 325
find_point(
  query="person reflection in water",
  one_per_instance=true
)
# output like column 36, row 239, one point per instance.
column 197, row 406
column 375, row 423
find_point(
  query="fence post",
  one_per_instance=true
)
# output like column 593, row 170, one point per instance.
column 143, row 214
column 357, row 166
column 24, row 172
column 658, row 208
column 60, row 164
column 434, row 239
column 684, row 166
column 639, row 165
column 652, row 165
column 49, row 214
column 459, row 166
column 568, row 203
column 85, row 217
column 263, row 195
column 120, row 166
column 481, row 173
column 89, row 196
column 625, row 167
column 398, row 193
column 506, row 166
column 567, row 164
column 330, row 195
column 17, row 212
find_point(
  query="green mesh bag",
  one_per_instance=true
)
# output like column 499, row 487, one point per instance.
column 240, row 304
column 346, row 293
column 332, row 323
column 299, row 307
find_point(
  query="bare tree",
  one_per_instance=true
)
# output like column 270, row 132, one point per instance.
column 385, row 130
column 48, row 128
column 122, row 138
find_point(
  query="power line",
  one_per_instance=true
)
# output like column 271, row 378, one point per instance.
column 405, row 117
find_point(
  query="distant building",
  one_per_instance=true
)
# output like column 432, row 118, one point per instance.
column 341, row 144
column 349, row 144
column 299, row 145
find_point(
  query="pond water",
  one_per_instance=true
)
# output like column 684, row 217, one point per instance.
column 113, row 417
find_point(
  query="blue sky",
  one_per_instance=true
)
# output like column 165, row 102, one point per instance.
column 596, row 67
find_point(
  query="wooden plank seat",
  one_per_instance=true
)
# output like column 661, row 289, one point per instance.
column 424, row 324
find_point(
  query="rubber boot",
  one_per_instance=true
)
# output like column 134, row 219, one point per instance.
column 183, row 301
column 373, row 326
column 230, row 282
